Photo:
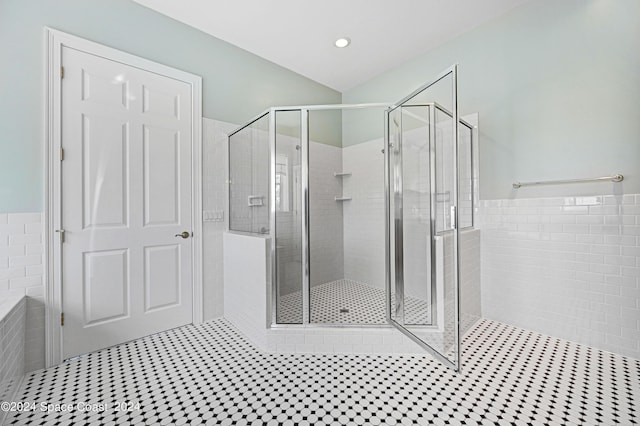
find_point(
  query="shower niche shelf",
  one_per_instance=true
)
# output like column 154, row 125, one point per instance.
column 342, row 174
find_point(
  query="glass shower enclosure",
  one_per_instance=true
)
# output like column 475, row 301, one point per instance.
column 361, row 226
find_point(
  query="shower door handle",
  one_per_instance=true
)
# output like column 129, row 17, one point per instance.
column 453, row 217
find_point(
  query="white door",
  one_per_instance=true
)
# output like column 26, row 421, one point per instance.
column 126, row 197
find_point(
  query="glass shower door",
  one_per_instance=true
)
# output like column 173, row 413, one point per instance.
column 422, row 195
column 287, row 175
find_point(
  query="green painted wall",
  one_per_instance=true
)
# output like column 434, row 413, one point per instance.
column 557, row 88
column 556, row 85
column 237, row 84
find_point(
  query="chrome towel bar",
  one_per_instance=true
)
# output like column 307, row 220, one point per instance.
column 613, row 178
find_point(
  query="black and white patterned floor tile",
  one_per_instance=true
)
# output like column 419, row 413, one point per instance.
column 348, row 302
column 210, row 374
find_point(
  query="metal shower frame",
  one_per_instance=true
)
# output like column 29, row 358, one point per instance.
column 271, row 320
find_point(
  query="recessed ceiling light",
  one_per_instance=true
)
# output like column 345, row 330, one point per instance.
column 343, row 42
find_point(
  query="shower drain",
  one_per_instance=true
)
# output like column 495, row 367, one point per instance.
column 344, row 311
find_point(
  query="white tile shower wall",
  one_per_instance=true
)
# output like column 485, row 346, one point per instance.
column 467, row 178
column 289, row 259
column 245, row 301
column 21, row 269
column 568, row 267
column 215, row 193
column 364, row 238
column 12, row 346
column 246, row 288
column 416, row 205
column 241, row 186
column 250, row 178
column 325, row 213
column 469, row 291
column 364, row 256
column 470, row 278
column 260, row 181
column 214, row 175
column 445, row 174
column 326, row 217
column 289, row 216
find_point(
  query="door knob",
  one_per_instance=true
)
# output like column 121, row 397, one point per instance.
column 184, row 234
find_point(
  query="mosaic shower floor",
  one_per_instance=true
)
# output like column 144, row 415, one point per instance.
column 348, row 302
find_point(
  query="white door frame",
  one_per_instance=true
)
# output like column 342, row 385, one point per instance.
column 54, row 41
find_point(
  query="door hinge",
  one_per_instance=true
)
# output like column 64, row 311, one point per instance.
column 62, row 319
column 61, row 154
column 61, row 72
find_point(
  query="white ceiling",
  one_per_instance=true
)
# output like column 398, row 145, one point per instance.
column 299, row 34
